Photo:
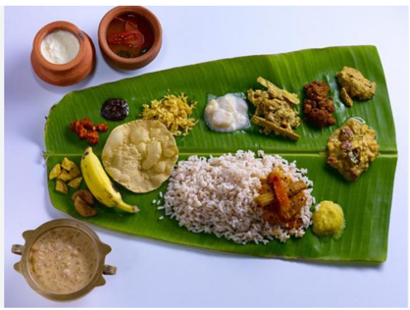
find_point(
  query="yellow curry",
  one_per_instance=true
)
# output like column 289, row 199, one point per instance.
column 351, row 149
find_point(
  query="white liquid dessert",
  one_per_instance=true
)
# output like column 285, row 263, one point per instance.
column 227, row 113
column 63, row 260
column 60, row 47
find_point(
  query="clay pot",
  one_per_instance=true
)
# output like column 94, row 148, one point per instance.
column 65, row 74
column 127, row 63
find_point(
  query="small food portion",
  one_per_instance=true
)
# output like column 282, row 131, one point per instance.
column 61, row 187
column 174, row 112
column 329, row 220
column 353, row 85
column 318, row 106
column 275, row 110
column 86, row 129
column 75, row 183
column 227, row 113
column 55, row 172
column 352, row 148
column 83, row 202
column 100, row 184
column 140, row 155
column 282, row 199
column 65, row 172
column 60, row 47
column 217, row 195
column 130, row 35
column 63, row 260
column 115, row 109
column 68, row 165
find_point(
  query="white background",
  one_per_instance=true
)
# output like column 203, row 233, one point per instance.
column 156, row 274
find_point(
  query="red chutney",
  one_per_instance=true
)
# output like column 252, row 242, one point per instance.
column 130, row 35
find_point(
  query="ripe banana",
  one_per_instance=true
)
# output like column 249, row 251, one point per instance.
column 100, row 185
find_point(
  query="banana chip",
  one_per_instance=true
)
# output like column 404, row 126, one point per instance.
column 140, row 155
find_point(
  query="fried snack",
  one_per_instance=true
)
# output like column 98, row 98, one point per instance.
column 83, row 201
column 75, row 172
column 83, row 208
column 61, row 187
column 68, row 164
column 55, row 172
column 140, row 155
column 64, row 176
column 85, row 195
column 75, row 183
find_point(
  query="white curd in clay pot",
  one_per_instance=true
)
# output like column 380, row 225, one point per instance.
column 60, row 47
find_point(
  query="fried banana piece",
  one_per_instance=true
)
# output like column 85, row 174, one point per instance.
column 55, row 172
column 75, row 183
column 61, row 187
column 68, row 164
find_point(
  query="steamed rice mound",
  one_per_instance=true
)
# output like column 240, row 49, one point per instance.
column 216, row 195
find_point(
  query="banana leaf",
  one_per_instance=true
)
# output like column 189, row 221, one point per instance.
column 366, row 202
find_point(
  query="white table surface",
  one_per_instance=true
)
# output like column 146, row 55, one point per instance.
column 152, row 273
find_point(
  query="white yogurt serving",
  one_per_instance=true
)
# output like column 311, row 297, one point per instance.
column 227, row 113
column 60, row 47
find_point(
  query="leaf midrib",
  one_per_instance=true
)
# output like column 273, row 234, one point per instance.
column 320, row 154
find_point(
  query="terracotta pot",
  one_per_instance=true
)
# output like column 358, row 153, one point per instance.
column 65, row 74
column 127, row 63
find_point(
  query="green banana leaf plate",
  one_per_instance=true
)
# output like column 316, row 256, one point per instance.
column 366, row 202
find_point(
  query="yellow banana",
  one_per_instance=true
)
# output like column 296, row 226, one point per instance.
column 100, row 185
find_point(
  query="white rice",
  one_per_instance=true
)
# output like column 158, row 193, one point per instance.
column 216, row 195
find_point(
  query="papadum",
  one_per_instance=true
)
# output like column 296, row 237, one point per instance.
column 140, row 155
